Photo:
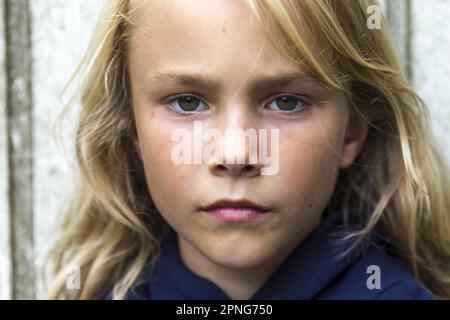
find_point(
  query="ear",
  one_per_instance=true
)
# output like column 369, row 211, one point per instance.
column 355, row 136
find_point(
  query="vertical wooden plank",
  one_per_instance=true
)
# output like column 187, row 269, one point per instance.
column 19, row 107
column 5, row 253
column 398, row 14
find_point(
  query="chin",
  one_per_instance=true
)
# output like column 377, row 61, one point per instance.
column 239, row 257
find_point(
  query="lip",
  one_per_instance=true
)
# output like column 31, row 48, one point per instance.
column 236, row 210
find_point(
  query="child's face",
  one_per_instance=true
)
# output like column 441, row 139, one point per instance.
column 219, row 41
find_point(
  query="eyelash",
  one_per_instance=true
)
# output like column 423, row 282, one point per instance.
column 284, row 112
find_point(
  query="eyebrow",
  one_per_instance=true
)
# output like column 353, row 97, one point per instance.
column 262, row 83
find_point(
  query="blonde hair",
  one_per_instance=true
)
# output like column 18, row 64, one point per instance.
column 399, row 180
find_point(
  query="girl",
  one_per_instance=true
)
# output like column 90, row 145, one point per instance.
column 358, row 208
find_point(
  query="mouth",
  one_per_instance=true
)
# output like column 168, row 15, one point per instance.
column 236, row 210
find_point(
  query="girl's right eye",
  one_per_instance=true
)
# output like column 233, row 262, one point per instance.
column 187, row 104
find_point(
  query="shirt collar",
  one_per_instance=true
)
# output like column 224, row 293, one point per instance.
column 307, row 270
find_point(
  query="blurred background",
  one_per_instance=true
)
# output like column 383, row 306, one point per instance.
column 41, row 43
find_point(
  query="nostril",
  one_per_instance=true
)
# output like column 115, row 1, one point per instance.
column 221, row 167
column 234, row 169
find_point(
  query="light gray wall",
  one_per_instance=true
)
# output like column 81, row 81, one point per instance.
column 431, row 61
column 58, row 35
column 59, row 32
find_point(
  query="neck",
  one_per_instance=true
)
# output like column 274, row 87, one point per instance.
column 237, row 283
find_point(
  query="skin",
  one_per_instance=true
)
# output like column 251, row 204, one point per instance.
column 220, row 40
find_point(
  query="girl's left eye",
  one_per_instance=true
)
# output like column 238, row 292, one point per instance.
column 287, row 104
column 187, row 104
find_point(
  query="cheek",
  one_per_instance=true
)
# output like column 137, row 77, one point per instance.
column 164, row 178
column 309, row 164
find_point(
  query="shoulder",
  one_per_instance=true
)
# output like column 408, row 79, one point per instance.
column 378, row 274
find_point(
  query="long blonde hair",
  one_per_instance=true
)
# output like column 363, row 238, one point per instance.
column 112, row 228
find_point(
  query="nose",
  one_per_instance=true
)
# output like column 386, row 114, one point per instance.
column 235, row 170
column 238, row 159
column 236, row 153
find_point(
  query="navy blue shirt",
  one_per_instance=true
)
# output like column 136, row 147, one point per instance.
column 316, row 269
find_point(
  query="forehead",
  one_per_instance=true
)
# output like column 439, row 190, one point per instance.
column 213, row 33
